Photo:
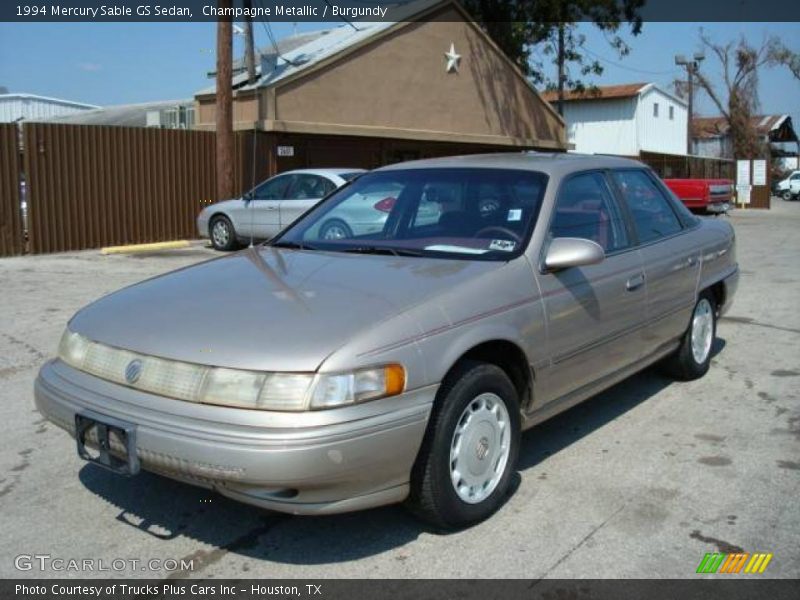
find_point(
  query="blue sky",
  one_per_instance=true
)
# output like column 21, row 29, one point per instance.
column 116, row 63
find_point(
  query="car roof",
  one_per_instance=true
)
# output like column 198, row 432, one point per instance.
column 552, row 163
column 328, row 171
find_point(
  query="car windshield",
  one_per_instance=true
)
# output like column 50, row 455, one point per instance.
column 474, row 213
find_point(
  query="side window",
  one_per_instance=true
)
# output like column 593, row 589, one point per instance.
column 652, row 214
column 586, row 209
column 307, row 187
column 273, row 189
column 327, row 186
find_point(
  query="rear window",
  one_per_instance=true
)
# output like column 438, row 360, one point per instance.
column 350, row 176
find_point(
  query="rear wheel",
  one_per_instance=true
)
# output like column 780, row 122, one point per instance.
column 335, row 229
column 693, row 357
column 463, row 472
column 222, row 233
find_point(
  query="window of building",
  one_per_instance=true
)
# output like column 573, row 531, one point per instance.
column 671, row 113
column 655, row 109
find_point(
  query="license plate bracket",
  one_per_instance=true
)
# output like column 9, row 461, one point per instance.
column 104, row 428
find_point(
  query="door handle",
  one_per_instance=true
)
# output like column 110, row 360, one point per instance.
column 635, row 282
column 691, row 261
column 272, row 208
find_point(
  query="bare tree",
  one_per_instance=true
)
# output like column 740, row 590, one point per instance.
column 738, row 101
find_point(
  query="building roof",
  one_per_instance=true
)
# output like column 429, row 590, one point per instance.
column 328, row 44
column 121, row 115
column 609, row 92
column 284, row 45
column 770, row 125
column 47, row 99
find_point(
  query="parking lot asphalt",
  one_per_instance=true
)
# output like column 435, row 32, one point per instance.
column 639, row 481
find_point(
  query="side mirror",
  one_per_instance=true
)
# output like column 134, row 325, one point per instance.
column 572, row 252
column 247, row 196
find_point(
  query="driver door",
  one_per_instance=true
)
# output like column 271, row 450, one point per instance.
column 260, row 216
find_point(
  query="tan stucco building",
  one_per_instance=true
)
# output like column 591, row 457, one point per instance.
column 376, row 93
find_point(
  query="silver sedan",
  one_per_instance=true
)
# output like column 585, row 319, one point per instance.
column 320, row 374
column 270, row 206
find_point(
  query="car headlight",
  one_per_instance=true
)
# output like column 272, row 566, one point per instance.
column 358, row 386
column 230, row 387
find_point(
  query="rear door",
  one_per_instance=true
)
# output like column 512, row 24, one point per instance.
column 595, row 313
column 306, row 190
column 671, row 259
column 260, row 217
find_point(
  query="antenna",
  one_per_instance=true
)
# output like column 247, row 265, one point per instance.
column 253, row 188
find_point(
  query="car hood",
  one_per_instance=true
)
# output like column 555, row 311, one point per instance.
column 222, row 205
column 266, row 308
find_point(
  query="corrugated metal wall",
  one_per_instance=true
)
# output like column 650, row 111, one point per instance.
column 11, row 239
column 603, row 126
column 660, row 133
column 92, row 186
column 14, row 107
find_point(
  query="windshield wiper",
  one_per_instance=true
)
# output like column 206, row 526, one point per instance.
column 383, row 250
column 293, row 245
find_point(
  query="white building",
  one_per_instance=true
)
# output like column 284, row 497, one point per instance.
column 17, row 107
column 625, row 120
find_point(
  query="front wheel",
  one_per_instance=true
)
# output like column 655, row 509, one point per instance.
column 335, row 229
column 222, row 233
column 693, row 357
column 463, row 472
column 786, row 195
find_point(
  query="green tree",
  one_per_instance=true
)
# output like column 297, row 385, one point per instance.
column 519, row 26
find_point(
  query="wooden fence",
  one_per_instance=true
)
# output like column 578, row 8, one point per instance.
column 673, row 166
column 11, row 233
column 92, row 186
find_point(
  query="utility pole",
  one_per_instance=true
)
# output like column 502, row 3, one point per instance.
column 561, row 74
column 691, row 67
column 224, row 104
column 249, row 46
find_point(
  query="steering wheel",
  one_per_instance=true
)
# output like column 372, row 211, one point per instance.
column 503, row 230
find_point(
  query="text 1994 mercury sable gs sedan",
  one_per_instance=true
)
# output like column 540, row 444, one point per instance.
column 317, row 375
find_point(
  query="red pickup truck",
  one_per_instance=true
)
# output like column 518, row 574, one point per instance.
column 703, row 195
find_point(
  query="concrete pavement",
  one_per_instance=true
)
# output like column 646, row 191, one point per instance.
column 640, row 481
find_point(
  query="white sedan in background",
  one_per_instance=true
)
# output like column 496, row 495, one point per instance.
column 272, row 205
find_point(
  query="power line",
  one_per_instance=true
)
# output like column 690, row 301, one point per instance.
column 629, row 68
column 268, row 30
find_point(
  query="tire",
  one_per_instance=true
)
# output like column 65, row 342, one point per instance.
column 786, row 195
column 335, row 229
column 691, row 361
column 453, row 438
column 222, row 234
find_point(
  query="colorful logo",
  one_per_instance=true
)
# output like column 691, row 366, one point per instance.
column 718, row 562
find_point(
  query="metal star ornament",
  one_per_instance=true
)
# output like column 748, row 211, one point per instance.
column 453, row 59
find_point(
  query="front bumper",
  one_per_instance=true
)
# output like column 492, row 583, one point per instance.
column 316, row 462
column 718, row 207
column 731, row 282
column 202, row 226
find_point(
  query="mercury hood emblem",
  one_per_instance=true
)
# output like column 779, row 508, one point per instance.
column 133, row 371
